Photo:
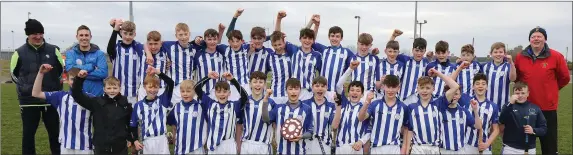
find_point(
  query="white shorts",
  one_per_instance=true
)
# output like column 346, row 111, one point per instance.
column 200, row 150
column 347, row 149
column 313, row 147
column 156, row 145
column 473, row 150
column 444, row 151
column 425, row 149
column 141, row 93
column 132, row 100
column 510, row 150
column 64, row 150
column 280, row 100
column 330, row 96
column 228, row 146
column 305, row 94
column 253, row 147
column 386, row 149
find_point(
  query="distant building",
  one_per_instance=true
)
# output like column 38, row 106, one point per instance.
column 6, row 54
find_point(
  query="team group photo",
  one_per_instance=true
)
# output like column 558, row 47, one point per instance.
column 232, row 88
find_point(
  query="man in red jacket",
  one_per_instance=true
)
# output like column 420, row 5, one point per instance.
column 545, row 72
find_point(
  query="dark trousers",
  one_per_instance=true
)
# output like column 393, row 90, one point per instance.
column 549, row 141
column 30, row 120
column 120, row 151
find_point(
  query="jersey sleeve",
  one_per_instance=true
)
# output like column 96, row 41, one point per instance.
column 55, row 98
column 402, row 58
column 290, row 48
column 273, row 114
column 134, row 122
column 405, row 119
column 221, row 48
column 441, row 102
column 318, row 65
column 318, row 47
column 410, row 116
column 372, row 108
column 308, row 124
column 332, row 112
column 494, row 114
column 239, row 112
column 470, row 121
column 171, row 118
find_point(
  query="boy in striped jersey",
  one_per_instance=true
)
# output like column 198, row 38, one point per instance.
column 388, row 119
column 414, row 67
column 389, row 65
column 306, row 62
column 465, row 78
column 280, row 64
column 500, row 72
column 323, row 114
column 368, row 70
column 223, row 115
column 442, row 64
column 256, row 137
column 125, row 55
column 207, row 60
column 75, row 121
column 454, row 117
column 189, row 121
column 258, row 54
column 160, row 58
column 488, row 113
column 293, row 109
column 151, row 113
column 182, row 55
column 352, row 132
column 424, row 127
column 335, row 59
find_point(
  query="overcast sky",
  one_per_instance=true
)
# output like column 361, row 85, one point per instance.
column 454, row 22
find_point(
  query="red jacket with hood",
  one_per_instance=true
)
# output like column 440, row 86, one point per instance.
column 545, row 75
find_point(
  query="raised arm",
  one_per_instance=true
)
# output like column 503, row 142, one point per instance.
column 221, row 31
column 265, row 114
column 111, row 50
column 202, row 82
column 100, row 71
column 345, row 76
column 37, row 88
column 449, row 81
column 169, row 84
column 244, row 96
column 278, row 22
column 366, row 108
column 78, row 94
column 461, row 67
column 233, row 21
column 337, row 114
column 512, row 71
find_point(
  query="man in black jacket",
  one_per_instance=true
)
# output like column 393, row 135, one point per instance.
column 24, row 67
column 111, row 114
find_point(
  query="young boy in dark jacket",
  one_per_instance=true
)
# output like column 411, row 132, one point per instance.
column 111, row 115
column 524, row 120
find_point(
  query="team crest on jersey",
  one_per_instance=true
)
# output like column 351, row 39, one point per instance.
column 501, row 73
column 532, row 111
column 461, row 120
column 185, row 111
column 47, row 56
column 195, row 114
column 371, row 64
column 434, row 114
column 256, row 106
column 544, row 64
column 397, row 116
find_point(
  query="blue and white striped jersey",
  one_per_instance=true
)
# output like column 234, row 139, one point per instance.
column 152, row 115
column 322, row 118
column 281, row 67
column 466, row 77
column 350, row 129
column 222, row 120
column 446, row 69
column 387, row 68
column 305, row 65
column 335, row 61
column 126, row 66
column 254, row 128
column 281, row 113
column 236, row 62
column 425, row 123
column 386, row 122
column 498, row 82
column 454, row 123
column 159, row 62
column 367, row 72
column 488, row 113
column 206, row 62
column 182, row 60
column 190, row 119
column 411, row 72
column 258, row 60
column 75, row 121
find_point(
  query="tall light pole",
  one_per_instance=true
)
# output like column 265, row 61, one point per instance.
column 358, row 17
column 29, row 15
column 425, row 22
column 131, row 11
column 13, row 40
column 415, row 18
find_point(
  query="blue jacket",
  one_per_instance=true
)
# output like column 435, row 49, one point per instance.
column 94, row 61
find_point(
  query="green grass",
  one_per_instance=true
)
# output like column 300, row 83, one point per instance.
column 12, row 124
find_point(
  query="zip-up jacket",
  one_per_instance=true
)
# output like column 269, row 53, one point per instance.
column 24, row 67
column 545, row 75
column 110, row 118
column 514, row 117
column 94, row 61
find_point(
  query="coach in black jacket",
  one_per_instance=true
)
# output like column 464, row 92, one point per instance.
column 111, row 116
